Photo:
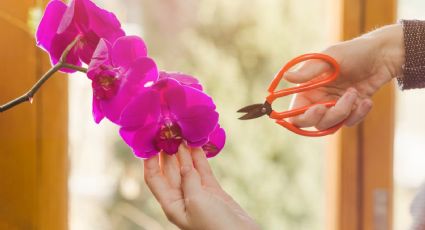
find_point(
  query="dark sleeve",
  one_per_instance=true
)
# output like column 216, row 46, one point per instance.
column 414, row 42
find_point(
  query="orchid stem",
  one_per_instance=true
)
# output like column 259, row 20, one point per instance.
column 61, row 64
column 74, row 67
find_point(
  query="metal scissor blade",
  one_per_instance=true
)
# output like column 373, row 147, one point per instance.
column 252, row 111
column 249, row 108
column 250, row 116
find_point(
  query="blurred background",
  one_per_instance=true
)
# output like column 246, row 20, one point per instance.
column 59, row 170
column 234, row 48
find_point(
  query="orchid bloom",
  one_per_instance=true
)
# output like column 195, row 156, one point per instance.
column 217, row 138
column 165, row 114
column 118, row 72
column 61, row 24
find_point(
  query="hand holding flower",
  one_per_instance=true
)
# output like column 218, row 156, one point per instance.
column 190, row 195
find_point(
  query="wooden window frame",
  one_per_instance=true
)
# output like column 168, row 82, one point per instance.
column 360, row 161
column 33, row 137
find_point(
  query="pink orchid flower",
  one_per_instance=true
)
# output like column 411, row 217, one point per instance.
column 61, row 24
column 118, row 72
column 217, row 138
column 162, row 116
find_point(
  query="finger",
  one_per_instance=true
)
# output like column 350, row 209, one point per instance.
column 191, row 181
column 339, row 112
column 170, row 169
column 310, row 118
column 156, row 182
column 203, row 167
column 312, row 97
column 360, row 113
column 167, row 197
column 308, row 71
column 299, row 100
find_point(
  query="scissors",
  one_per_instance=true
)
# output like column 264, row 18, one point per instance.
column 259, row 110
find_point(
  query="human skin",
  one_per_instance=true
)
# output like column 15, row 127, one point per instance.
column 190, row 195
column 367, row 63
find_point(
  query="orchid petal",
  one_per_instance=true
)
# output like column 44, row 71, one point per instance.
column 75, row 15
column 142, row 140
column 183, row 79
column 87, row 46
column 142, row 109
column 100, row 58
column 59, row 44
column 97, row 111
column 197, row 123
column 140, row 72
column 143, row 70
column 128, row 49
column 216, row 142
column 195, row 113
column 49, row 23
column 180, row 98
column 103, row 23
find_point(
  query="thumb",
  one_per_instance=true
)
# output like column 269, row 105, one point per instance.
column 308, row 71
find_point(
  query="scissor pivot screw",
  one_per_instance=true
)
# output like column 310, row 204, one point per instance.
column 264, row 110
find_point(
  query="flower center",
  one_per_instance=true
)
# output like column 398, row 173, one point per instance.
column 106, row 85
column 170, row 131
column 169, row 137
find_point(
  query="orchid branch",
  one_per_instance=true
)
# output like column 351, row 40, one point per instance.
column 61, row 64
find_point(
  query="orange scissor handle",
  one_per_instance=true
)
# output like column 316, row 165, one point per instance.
column 306, row 86
column 280, row 116
column 308, row 133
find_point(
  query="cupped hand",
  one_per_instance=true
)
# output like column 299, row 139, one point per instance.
column 367, row 63
column 190, row 195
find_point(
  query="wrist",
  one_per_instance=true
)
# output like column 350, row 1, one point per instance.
column 390, row 48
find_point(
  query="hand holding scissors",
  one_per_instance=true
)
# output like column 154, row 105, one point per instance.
column 259, row 110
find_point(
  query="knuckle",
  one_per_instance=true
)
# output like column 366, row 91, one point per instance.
column 331, row 50
column 340, row 114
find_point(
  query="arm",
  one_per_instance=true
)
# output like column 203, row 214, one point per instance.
column 190, row 195
column 414, row 43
